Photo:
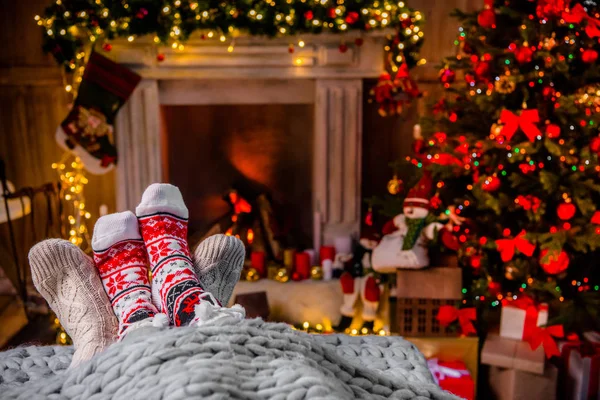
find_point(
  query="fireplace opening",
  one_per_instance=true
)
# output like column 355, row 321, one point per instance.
column 256, row 149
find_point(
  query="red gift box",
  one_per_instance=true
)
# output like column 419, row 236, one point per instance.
column 581, row 362
column 453, row 377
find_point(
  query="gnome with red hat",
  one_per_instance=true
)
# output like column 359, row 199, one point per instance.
column 405, row 242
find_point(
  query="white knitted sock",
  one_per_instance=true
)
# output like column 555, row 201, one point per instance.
column 162, row 217
column 120, row 257
column 68, row 280
column 218, row 262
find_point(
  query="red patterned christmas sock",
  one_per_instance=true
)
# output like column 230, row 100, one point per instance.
column 120, row 257
column 162, row 217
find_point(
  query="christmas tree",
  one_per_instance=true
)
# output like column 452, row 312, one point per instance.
column 513, row 145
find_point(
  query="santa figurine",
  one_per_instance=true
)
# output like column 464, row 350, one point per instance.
column 405, row 242
column 359, row 281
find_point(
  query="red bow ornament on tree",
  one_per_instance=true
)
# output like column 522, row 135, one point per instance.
column 578, row 14
column 545, row 336
column 448, row 314
column 507, row 247
column 526, row 121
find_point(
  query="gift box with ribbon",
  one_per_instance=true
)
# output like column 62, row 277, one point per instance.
column 453, row 376
column 521, row 317
column 581, row 370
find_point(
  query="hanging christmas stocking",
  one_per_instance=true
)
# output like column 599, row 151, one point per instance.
column 88, row 129
column 350, row 288
column 369, row 293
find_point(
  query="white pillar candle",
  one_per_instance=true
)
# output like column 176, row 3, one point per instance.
column 327, row 270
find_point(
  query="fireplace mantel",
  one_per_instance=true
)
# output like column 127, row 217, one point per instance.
column 257, row 71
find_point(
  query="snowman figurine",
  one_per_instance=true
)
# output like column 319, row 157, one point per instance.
column 404, row 245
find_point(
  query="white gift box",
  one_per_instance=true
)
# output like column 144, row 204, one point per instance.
column 520, row 316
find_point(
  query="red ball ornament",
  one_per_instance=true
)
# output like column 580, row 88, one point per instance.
column 331, row 13
column 555, row 262
column 487, row 18
column 494, row 288
column 595, row 145
column 359, row 41
column 566, row 211
column 107, row 47
column 352, row 17
column 524, row 54
column 160, row 57
column 589, row 56
column 447, row 76
column 491, row 184
column 552, row 131
column 482, row 70
column 309, row 15
column 343, row 48
column 476, row 261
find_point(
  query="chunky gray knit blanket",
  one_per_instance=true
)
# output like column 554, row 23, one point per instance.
column 251, row 359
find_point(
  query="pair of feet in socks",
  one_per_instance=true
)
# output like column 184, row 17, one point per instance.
column 86, row 295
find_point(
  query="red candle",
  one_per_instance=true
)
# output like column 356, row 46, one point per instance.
column 326, row 253
column 303, row 265
column 257, row 260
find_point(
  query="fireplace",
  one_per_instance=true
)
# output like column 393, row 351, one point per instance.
column 206, row 117
column 213, row 148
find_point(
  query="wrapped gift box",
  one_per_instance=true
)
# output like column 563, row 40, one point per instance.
column 520, row 317
column 453, row 376
column 581, row 370
column 514, row 384
column 512, row 354
column 451, row 348
column 517, row 371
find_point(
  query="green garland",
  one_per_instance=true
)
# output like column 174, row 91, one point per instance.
column 71, row 25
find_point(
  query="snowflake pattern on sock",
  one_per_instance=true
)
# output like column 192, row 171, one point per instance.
column 123, row 269
column 179, row 290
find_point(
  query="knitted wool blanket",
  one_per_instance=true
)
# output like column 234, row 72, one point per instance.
column 251, row 359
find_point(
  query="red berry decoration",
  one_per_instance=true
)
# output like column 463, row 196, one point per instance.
column 524, row 54
column 589, row 56
column 343, row 48
column 160, row 57
column 595, row 145
column 566, row 211
column 359, row 41
column 476, row 261
column 554, row 262
column 487, row 18
column 491, row 184
column 107, row 47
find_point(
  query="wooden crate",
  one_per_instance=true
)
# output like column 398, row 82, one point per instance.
column 417, row 317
